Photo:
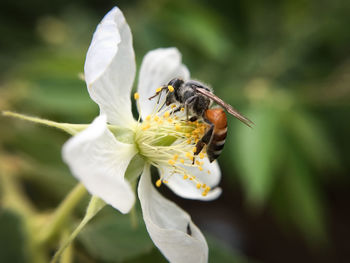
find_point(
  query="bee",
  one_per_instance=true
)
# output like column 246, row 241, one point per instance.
column 196, row 98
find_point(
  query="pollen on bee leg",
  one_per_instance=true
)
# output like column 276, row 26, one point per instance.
column 170, row 88
column 159, row 183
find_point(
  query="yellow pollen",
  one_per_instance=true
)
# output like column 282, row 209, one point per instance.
column 207, row 189
column 173, row 106
column 188, row 135
column 177, row 127
column 176, row 156
column 200, row 168
column 204, row 194
column 182, row 109
column 156, row 118
column 145, row 127
column 171, row 162
column 148, row 118
column 204, row 185
column 136, row 96
column 182, row 161
column 194, row 149
column 159, row 90
column 160, row 122
column 198, row 186
column 170, row 120
column 201, row 155
column 197, row 162
column 170, row 88
column 209, row 172
column 189, row 156
column 165, row 181
column 158, row 183
column 185, row 177
column 191, row 178
column 166, row 114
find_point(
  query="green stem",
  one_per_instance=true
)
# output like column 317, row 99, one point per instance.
column 72, row 129
column 62, row 212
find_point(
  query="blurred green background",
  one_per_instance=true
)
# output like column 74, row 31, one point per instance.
column 284, row 64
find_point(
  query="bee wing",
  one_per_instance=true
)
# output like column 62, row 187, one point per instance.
column 228, row 107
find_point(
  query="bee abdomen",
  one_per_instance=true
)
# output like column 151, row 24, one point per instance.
column 216, row 144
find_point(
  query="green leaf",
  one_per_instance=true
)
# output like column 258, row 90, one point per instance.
column 12, row 238
column 111, row 237
column 256, row 152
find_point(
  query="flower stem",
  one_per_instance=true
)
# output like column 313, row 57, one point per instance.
column 62, row 212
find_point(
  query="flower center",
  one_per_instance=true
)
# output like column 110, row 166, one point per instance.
column 167, row 140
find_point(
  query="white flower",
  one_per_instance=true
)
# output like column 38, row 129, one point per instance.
column 100, row 155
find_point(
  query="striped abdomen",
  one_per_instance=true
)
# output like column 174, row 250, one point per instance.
column 217, row 117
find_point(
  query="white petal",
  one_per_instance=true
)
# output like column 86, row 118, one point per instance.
column 167, row 224
column 99, row 161
column 110, row 68
column 158, row 68
column 187, row 189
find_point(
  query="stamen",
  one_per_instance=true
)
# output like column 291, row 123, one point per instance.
column 136, row 96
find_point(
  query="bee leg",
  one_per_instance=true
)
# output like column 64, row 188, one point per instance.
column 193, row 118
column 158, row 93
column 189, row 102
column 205, row 139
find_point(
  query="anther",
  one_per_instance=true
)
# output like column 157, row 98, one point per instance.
column 185, row 177
column 201, row 155
column 136, row 96
column 159, row 90
column 182, row 109
column 148, row 118
column 194, row 149
column 182, row 161
column 166, row 114
column 171, row 162
column 176, row 156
